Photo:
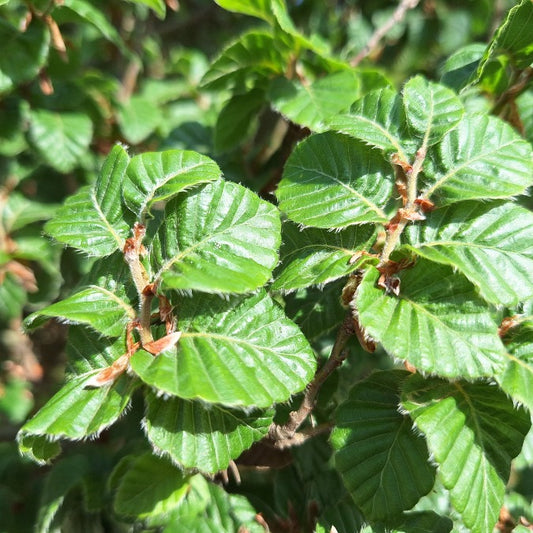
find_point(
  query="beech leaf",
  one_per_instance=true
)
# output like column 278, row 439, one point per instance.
column 437, row 323
column 221, row 341
column 334, row 181
column 473, row 432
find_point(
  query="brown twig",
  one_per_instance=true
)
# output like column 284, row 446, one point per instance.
column 373, row 42
column 284, row 435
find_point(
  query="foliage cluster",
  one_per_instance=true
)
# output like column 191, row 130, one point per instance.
column 297, row 278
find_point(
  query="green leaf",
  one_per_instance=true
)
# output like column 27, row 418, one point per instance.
column 219, row 238
column 312, row 105
column 491, row 244
column 241, row 351
column 383, row 463
column 202, row 436
column 13, row 296
column 378, row 119
column 473, row 431
column 315, row 256
column 19, row 211
column 343, row 515
column 333, row 181
column 254, row 55
column 423, row 522
column 437, row 323
column 483, row 157
column 517, row 377
column 316, row 311
column 90, row 13
column 233, row 122
column 431, row 109
column 513, row 39
column 138, row 118
column 64, row 476
column 461, row 65
column 158, row 6
column 38, row 448
column 61, row 139
column 255, row 8
column 150, row 486
column 94, row 220
column 155, row 176
column 95, row 306
column 22, row 54
column 76, row 412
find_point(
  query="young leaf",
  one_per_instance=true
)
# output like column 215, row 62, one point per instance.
column 383, row 463
column 483, row 157
column 150, row 486
column 437, row 323
column 315, row 256
column 219, row 238
column 94, row 220
column 311, row 105
column 431, row 109
column 517, row 377
column 378, row 119
column 155, row 176
column 255, row 54
column 76, row 412
column 333, row 181
column 95, row 306
column 473, row 431
column 491, row 244
column 38, row 448
column 60, row 138
column 241, row 351
column 199, row 435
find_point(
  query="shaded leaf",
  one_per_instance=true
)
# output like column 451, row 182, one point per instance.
column 461, row 65
column 333, row 181
column 149, row 486
column 491, row 244
column 312, row 104
column 94, row 220
column 378, row 119
column 219, row 238
column 198, row 435
column 383, row 463
column 22, row 54
column 431, row 109
column 38, row 448
column 60, row 138
column 138, row 118
column 483, row 157
column 315, row 256
column 255, row 54
column 155, row 176
column 158, row 6
column 473, row 431
column 19, row 211
column 221, row 342
column 437, row 323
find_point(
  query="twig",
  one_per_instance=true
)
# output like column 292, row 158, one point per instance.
column 284, row 435
column 373, row 42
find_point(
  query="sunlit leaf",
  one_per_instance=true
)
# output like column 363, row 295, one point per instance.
column 473, row 431
column 437, row 323
column 221, row 341
column 256, row 8
column 219, row 238
column 138, row 118
column 333, row 181
column 202, row 436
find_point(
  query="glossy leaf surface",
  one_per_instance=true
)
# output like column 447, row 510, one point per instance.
column 437, row 323
column 473, row 431
column 333, row 181
column 219, row 238
column 220, row 344
column 198, row 435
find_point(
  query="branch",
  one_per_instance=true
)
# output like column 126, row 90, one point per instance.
column 373, row 42
column 285, row 435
